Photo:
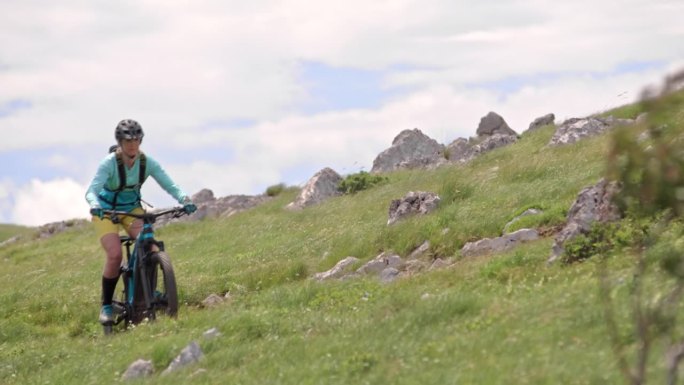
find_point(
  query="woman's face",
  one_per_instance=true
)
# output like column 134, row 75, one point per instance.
column 130, row 147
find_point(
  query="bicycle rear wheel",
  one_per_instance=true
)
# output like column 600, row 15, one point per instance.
column 163, row 295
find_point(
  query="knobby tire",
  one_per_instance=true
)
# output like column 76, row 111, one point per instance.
column 160, row 262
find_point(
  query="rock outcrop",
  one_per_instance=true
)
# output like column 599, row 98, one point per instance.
column 463, row 152
column 542, row 121
column 209, row 207
column 499, row 244
column 323, row 185
column 494, row 124
column 419, row 202
column 575, row 129
column 593, row 204
column 410, row 149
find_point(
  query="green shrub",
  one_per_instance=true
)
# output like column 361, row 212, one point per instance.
column 606, row 237
column 354, row 183
column 275, row 190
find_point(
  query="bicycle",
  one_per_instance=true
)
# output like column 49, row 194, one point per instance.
column 143, row 296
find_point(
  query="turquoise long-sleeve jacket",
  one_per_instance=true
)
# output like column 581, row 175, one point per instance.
column 101, row 192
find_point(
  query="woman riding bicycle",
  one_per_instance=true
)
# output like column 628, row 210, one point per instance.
column 116, row 186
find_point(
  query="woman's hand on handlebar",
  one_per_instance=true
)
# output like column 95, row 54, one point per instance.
column 97, row 212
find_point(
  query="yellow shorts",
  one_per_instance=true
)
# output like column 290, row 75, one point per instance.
column 106, row 226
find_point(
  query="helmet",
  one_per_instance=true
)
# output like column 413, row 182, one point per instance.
column 128, row 129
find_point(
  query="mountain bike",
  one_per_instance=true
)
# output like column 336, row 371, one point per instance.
column 144, row 293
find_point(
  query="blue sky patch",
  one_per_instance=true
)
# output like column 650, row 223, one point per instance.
column 513, row 84
column 12, row 106
column 341, row 88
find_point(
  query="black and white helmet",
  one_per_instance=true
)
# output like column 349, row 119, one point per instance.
column 128, row 129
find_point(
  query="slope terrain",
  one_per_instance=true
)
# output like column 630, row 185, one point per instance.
column 506, row 318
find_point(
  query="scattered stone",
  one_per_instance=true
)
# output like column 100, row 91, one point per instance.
column 495, row 245
column 189, row 355
column 212, row 300
column 139, row 369
column 323, row 185
column 413, row 203
column 211, row 333
column 198, row 372
column 410, row 149
column 338, row 271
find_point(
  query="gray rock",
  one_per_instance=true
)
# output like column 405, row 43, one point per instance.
column 380, row 263
column 495, row 245
column 323, row 185
column 203, row 196
column 338, row 271
column 526, row 213
column 573, row 130
column 211, row 334
column 189, row 355
column 212, row 300
column 419, row 251
column 208, row 208
column 593, row 204
column 410, row 149
column 413, row 203
column 463, row 153
column 389, row 274
column 139, row 369
column 542, row 121
column 492, row 124
column 440, row 263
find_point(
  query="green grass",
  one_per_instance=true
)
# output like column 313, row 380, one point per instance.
column 11, row 231
column 505, row 318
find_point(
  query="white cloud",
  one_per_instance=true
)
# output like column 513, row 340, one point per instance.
column 178, row 66
column 41, row 202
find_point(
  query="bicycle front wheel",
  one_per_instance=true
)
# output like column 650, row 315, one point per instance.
column 163, row 295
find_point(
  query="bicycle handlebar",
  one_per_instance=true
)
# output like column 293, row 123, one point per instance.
column 176, row 211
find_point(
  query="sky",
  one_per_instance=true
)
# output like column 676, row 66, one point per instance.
column 236, row 96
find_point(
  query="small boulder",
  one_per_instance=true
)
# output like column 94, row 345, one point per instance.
column 492, row 124
column 593, row 204
column 380, row 263
column 413, row 203
column 139, row 369
column 495, row 245
column 323, row 185
column 212, row 300
column 542, row 121
column 189, row 355
column 338, row 271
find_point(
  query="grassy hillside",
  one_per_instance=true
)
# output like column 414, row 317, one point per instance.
column 10, row 231
column 505, row 318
